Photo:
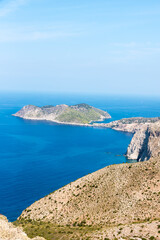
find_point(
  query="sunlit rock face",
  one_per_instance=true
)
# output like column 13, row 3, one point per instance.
column 145, row 143
column 9, row 232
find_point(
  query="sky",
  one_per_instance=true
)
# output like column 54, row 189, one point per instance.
column 80, row 46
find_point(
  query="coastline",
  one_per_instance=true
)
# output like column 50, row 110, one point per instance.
column 142, row 145
column 54, row 121
column 67, row 123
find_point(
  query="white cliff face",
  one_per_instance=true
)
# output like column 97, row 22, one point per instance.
column 9, row 232
column 137, row 149
column 145, row 143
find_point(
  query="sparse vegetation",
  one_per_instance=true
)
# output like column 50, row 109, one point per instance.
column 52, row 231
column 76, row 114
column 112, row 202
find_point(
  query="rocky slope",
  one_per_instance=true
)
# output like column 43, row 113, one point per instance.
column 137, row 231
column 75, row 114
column 9, row 232
column 116, row 195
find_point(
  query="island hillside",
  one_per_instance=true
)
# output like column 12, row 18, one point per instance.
column 79, row 114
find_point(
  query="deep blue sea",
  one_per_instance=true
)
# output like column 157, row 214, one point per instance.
column 38, row 157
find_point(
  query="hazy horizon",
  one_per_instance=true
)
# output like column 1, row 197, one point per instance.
column 82, row 47
column 85, row 93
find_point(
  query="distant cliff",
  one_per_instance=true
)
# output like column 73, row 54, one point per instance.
column 145, row 143
column 131, row 124
column 146, row 139
column 79, row 114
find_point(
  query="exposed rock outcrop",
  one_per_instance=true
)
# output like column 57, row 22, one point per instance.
column 138, row 148
column 145, row 143
column 9, row 232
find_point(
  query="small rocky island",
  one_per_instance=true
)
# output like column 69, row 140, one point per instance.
column 78, row 114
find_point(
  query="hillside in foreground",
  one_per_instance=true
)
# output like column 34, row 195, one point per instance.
column 116, row 197
column 75, row 114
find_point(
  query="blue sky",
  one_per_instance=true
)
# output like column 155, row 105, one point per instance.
column 86, row 46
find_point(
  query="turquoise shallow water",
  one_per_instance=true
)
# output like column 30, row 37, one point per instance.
column 38, row 157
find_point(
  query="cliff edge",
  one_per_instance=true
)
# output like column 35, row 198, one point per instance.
column 145, row 143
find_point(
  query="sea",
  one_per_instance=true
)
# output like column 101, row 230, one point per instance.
column 38, row 157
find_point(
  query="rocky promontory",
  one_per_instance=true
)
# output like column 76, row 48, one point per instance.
column 146, row 139
column 80, row 114
column 10, row 232
column 146, row 136
column 130, row 125
column 145, row 143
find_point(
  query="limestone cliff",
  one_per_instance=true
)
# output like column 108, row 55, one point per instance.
column 145, row 143
column 146, row 139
